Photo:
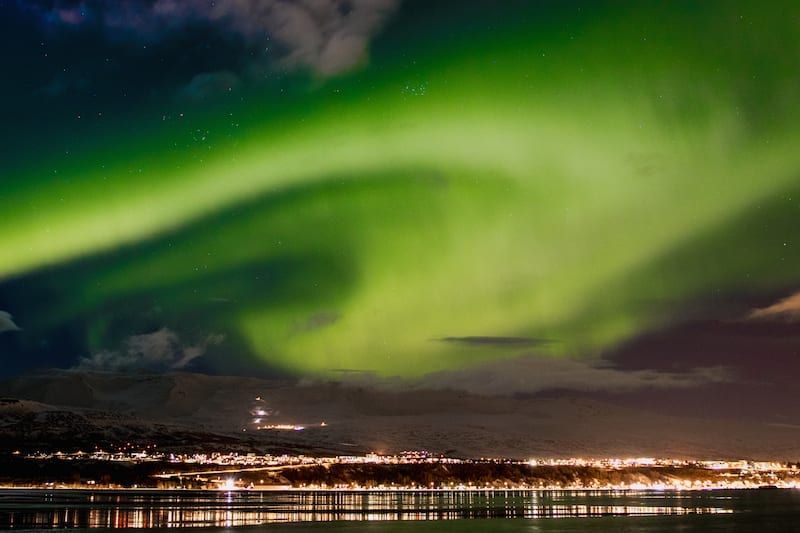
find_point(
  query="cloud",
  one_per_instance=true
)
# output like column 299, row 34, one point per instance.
column 510, row 342
column 65, row 83
column 160, row 350
column 7, row 322
column 327, row 36
column 209, row 84
column 786, row 309
column 529, row 374
column 316, row 321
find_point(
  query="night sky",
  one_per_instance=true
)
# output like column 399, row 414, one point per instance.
column 598, row 196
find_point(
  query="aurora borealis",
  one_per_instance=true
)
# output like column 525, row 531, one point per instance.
column 570, row 175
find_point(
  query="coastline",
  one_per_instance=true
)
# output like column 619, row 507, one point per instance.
column 379, row 490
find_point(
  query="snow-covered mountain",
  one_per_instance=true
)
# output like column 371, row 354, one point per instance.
column 224, row 412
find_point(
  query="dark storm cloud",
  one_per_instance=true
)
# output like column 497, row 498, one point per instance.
column 763, row 344
column 531, row 374
column 160, row 350
column 326, row 36
column 485, row 340
column 759, row 348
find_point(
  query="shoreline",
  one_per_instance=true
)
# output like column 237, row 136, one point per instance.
column 464, row 490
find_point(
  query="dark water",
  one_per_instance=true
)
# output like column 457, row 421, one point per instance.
column 417, row 512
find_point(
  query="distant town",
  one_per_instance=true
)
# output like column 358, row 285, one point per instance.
column 150, row 468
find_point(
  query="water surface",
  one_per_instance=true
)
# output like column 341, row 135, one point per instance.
column 394, row 511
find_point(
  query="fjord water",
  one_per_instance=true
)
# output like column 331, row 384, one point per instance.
column 395, row 511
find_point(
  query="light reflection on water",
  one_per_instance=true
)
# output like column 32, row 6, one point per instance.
column 27, row 509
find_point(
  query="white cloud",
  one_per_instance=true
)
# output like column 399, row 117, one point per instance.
column 787, row 309
column 160, row 350
column 327, row 36
column 7, row 322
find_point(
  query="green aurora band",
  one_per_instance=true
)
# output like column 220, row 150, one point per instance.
column 582, row 179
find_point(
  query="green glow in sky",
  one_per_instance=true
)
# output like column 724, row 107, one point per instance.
column 580, row 185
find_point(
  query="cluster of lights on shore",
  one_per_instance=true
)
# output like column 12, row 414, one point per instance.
column 738, row 474
column 220, row 469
